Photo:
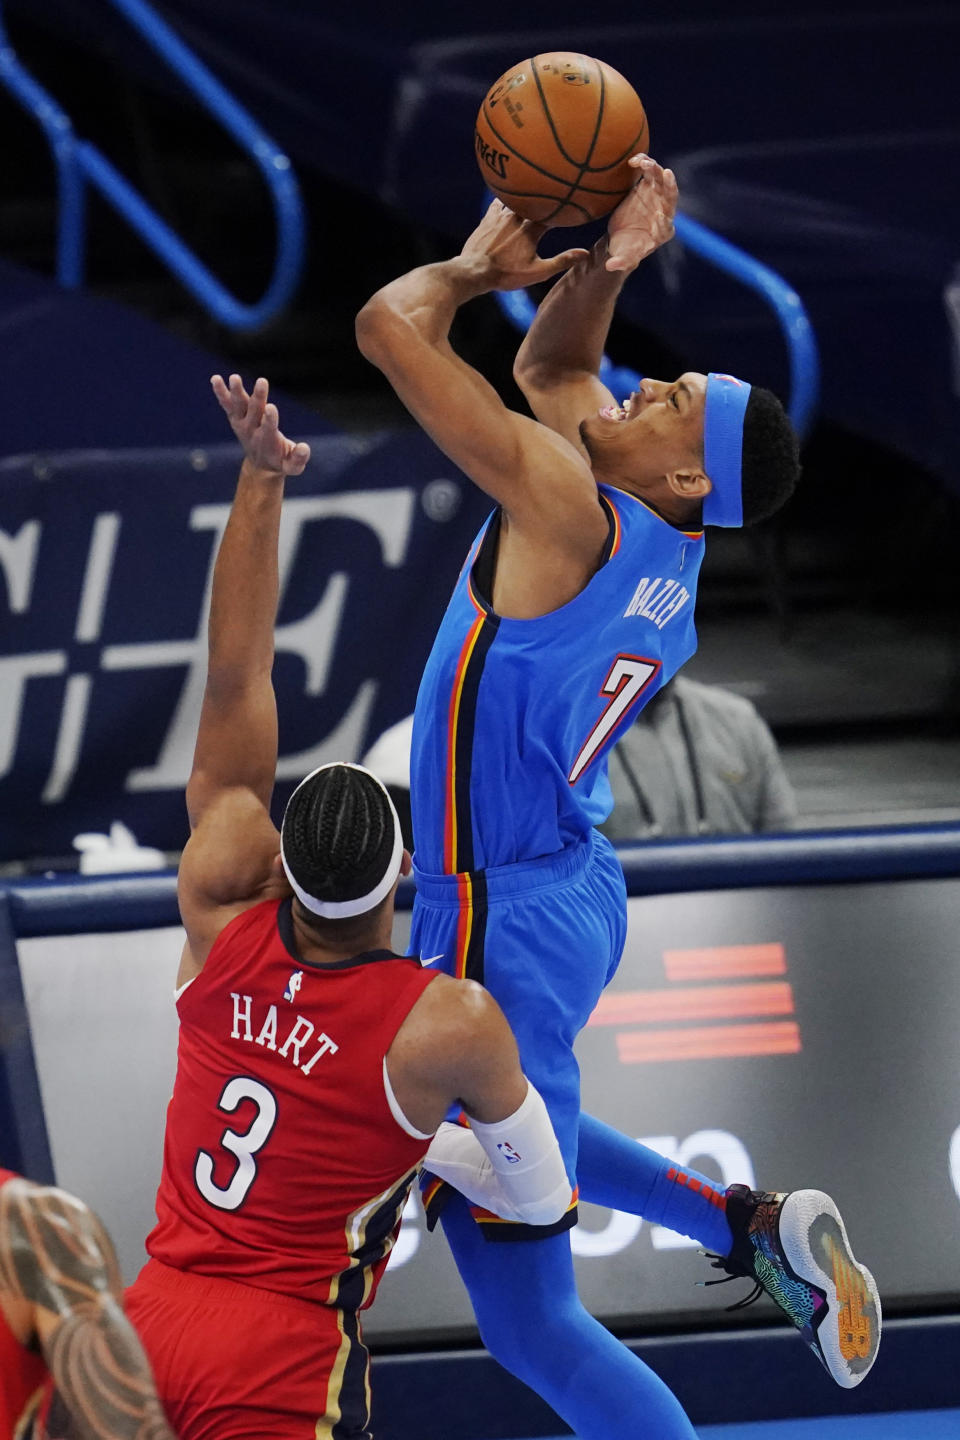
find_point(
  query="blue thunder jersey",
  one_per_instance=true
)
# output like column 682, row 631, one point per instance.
column 514, row 718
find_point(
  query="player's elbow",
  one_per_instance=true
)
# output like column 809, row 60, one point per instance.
column 369, row 328
column 379, row 329
column 534, row 377
column 524, row 372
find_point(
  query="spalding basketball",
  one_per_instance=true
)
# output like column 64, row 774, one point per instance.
column 554, row 135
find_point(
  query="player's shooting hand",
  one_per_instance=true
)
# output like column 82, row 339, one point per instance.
column 255, row 422
column 505, row 248
column 643, row 221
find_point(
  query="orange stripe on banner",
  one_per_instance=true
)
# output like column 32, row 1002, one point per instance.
column 464, row 924
column 453, row 719
column 702, row 1002
column 721, row 962
column 709, row 1042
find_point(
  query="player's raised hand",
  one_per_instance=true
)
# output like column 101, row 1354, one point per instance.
column 255, row 422
column 643, row 221
column 506, row 247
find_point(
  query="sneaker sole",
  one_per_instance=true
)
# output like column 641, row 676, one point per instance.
column 814, row 1240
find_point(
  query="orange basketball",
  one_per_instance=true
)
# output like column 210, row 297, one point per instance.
column 554, row 134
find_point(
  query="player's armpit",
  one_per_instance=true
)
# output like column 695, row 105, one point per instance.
column 228, row 863
column 229, row 857
column 539, row 479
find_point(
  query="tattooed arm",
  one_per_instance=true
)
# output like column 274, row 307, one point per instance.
column 58, row 1271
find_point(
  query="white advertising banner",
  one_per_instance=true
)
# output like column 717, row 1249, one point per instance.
column 783, row 1037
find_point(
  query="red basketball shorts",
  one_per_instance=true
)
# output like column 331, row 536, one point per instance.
column 236, row 1363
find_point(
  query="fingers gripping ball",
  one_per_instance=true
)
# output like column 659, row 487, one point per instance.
column 554, row 135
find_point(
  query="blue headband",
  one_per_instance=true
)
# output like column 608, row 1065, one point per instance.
column 723, row 448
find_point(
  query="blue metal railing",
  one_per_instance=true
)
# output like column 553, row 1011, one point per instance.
column 798, row 333
column 71, row 904
column 79, row 164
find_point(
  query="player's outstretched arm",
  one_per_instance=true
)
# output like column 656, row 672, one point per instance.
column 228, row 859
column 404, row 330
column 58, row 1266
column 456, row 1046
column 557, row 366
column 237, row 736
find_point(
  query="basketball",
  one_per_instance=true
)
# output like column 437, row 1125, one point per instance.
column 554, row 135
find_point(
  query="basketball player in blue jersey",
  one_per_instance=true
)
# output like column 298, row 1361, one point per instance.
column 574, row 606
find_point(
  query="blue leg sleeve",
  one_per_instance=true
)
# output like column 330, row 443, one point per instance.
column 621, row 1173
column 532, row 1321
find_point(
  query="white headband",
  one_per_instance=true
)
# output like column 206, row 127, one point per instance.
column 342, row 909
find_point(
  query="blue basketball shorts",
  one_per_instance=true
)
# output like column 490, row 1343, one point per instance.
column 544, row 937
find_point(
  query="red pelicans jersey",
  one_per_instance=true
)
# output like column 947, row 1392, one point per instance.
column 284, row 1166
column 22, row 1371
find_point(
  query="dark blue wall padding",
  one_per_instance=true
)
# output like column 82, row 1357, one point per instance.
column 727, row 1376
column 67, row 905
column 734, row 862
column 24, row 1145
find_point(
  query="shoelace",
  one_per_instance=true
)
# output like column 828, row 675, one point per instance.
column 720, row 1262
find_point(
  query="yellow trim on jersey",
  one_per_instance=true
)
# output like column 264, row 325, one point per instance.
column 332, row 1413
column 355, row 1232
column 689, row 534
column 24, row 1426
column 453, row 721
column 464, row 924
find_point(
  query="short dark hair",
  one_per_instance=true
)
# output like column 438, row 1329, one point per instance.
column 771, row 457
column 338, row 834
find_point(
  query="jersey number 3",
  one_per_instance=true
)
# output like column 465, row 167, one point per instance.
column 242, row 1145
column 626, row 678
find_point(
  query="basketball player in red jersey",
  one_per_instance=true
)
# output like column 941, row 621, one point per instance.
column 70, row 1363
column 315, row 1064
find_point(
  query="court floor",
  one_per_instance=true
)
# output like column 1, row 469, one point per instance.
column 903, row 1425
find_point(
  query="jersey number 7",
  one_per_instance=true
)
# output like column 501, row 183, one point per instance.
column 627, row 678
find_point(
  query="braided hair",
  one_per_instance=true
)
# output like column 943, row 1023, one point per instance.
column 340, row 841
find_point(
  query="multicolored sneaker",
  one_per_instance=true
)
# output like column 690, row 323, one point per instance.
column 795, row 1247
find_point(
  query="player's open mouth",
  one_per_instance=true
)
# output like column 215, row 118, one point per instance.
column 617, row 412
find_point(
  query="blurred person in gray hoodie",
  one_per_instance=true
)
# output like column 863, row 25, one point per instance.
column 699, row 760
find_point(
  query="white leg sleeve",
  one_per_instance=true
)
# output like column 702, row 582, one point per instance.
column 512, row 1167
